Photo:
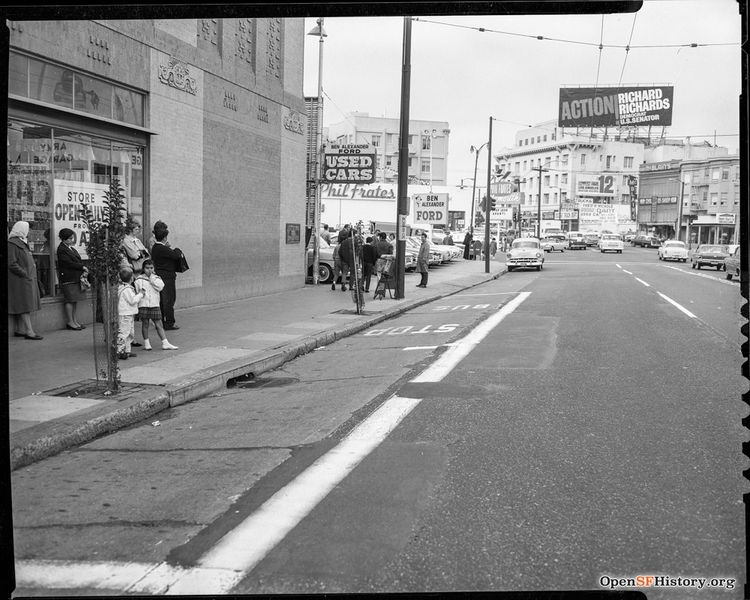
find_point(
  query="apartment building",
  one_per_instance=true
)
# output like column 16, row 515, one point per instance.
column 428, row 146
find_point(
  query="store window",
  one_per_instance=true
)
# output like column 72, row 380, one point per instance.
column 51, row 170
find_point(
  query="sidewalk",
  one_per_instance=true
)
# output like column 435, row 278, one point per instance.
column 51, row 409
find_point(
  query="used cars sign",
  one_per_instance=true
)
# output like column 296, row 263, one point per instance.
column 349, row 163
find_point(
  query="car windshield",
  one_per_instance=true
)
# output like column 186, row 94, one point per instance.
column 710, row 248
column 525, row 244
column 675, row 244
column 610, row 237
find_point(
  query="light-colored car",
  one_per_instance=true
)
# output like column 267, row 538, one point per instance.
column 610, row 242
column 673, row 250
column 325, row 261
column 732, row 264
column 710, row 255
column 525, row 253
column 554, row 244
column 591, row 238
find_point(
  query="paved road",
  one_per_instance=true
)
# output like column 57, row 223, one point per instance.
column 546, row 429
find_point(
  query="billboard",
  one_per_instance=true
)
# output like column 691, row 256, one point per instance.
column 616, row 107
column 430, row 209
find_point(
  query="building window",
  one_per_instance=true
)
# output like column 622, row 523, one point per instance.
column 524, row 166
column 378, row 163
column 625, row 179
column 610, row 161
column 545, row 138
column 47, row 166
column 376, row 141
column 705, row 172
column 705, row 196
column 553, row 136
column 564, row 196
column 546, row 198
column 411, row 161
column 388, row 161
column 715, row 173
column 714, row 198
column 425, row 165
column 538, row 139
column 546, row 180
column 583, row 160
column 724, row 198
column 564, row 179
column 41, row 80
column 725, row 173
column 516, row 168
column 557, row 179
column 426, row 142
column 564, row 160
column 411, row 139
column 628, row 162
column 625, row 199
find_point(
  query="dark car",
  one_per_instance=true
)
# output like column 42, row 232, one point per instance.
column 646, row 241
column 709, row 255
column 576, row 241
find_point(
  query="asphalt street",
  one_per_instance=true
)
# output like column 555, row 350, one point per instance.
column 540, row 431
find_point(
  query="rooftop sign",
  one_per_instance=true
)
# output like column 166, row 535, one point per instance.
column 615, row 107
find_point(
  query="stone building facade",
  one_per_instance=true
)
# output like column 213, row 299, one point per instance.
column 201, row 120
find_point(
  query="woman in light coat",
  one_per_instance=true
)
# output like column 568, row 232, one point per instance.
column 23, row 289
column 423, row 261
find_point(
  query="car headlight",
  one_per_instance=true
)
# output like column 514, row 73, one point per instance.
column 538, row 254
column 509, row 255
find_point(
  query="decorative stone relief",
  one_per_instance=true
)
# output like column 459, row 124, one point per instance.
column 273, row 49
column 262, row 113
column 230, row 100
column 98, row 50
column 177, row 75
column 245, row 50
column 210, row 30
column 294, row 121
column 16, row 26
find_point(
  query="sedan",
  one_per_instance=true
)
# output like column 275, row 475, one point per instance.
column 711, row 255
column 732, row 264
column 325, row 261
column 553, row 244
column 525, row 253
column 576, row 242
column 591, row 239
column 673, row 250
column 646, row 241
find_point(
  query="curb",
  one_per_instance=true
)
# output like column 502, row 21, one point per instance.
column 203, row 383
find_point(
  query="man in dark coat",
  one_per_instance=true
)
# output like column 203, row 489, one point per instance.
column 346, row 255
column 165, row 260
column 467, row 245
column 369, row 258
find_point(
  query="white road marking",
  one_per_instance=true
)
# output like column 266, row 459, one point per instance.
column 679, row 306
column 643, row 282
column 487, row 294
column 445, row 364
column 628, row 272
column 246, row 545
column 103, row 575
column 703, row 275
column 428, row 347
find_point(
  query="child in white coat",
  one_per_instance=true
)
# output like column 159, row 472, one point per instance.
column 127, row 308
column 151, row 285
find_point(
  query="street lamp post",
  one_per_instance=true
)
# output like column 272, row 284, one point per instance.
column 488, row 203
column 320, row 32
column 539, row 202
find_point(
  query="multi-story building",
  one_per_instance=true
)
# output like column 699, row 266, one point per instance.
column 584, row 181
column 695, row 200
column 202, row 121
column 428, row 146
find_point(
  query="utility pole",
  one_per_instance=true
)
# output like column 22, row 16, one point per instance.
column 539, row 169
column 487, row 204
column 403, row 161
column 319, row 167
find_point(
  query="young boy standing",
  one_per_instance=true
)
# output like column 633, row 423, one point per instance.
column 127, row 308
column 151, row 285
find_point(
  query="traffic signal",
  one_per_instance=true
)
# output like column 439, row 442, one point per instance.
column 493, row 203
column 515, row 215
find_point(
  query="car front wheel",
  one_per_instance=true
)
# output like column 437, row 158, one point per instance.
column 325, row 273
column 729, row 276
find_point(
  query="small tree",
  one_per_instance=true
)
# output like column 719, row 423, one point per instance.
column 103, row 248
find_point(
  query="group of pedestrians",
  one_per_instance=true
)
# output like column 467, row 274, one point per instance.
column 147, row 289
column 349, row 248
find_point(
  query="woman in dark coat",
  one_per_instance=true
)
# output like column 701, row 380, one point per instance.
column 23, row 289
column 70, row 268
column 165, row 260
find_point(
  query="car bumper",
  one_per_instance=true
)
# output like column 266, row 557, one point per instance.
column 714, row 262
column 524, row 262
column 674, row 256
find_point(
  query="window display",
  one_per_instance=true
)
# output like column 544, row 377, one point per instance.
column 51, row 170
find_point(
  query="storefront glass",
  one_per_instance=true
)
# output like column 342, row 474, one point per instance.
column 51, row 170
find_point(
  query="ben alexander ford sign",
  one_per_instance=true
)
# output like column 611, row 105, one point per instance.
column 349, row 163
column 616, row 107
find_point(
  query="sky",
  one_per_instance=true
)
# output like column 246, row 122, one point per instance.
column 464, row 76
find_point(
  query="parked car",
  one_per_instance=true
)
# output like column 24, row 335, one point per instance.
column 591, row 238
column 646, row 241
column 553, row 244
column 732, row 264
column 673, row 250
column 325, row 261
column 711, row 255
column 525, row 253
column 628, row 237
column 576, row 241
column 610, row 242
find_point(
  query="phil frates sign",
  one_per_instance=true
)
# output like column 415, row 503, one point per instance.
column 616, row 107
column 349, row 163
